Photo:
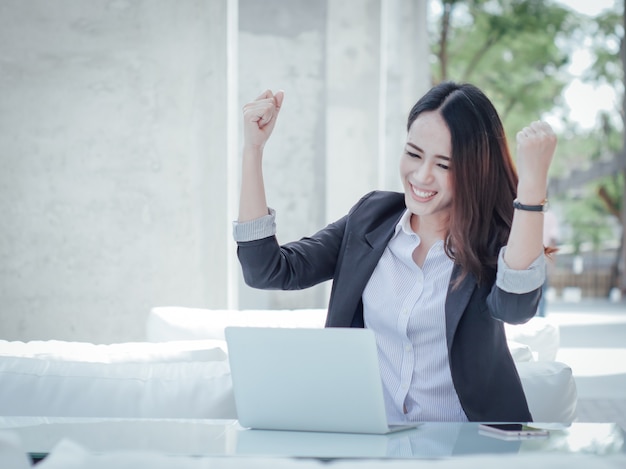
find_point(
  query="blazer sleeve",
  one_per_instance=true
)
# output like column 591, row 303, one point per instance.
column 292, row 266
column 515, row 295
column 513, row 308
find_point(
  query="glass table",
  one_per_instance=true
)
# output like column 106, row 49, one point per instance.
column 204, row 438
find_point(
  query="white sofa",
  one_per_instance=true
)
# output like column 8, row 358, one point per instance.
column 181, row 370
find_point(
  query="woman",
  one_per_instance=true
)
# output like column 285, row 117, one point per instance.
column 433, row 272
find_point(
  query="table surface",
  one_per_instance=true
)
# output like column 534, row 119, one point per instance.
column 39, row 435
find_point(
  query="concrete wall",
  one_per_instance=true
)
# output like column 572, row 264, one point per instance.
column 119, row 133
column 113, row 168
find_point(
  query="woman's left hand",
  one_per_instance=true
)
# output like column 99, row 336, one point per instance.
column 535, row 149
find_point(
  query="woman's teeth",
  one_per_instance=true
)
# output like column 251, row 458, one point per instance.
column 422, row 194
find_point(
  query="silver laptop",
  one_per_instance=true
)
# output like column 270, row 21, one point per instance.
column 323, row 380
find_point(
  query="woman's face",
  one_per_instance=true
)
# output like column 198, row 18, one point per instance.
column 424, row 167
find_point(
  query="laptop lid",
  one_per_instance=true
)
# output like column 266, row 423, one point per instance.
column 307, row 379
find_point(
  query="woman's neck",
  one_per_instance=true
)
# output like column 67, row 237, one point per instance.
column 430, row 228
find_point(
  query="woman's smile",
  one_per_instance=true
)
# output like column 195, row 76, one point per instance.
column 422, row 195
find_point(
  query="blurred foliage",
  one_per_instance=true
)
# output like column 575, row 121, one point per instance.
column 578, row 148
column 606, row 33
column 508, row 48
column 588, row 218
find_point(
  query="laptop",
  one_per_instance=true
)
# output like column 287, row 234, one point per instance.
column 297, row 379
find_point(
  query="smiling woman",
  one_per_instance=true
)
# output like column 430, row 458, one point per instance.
column 433, row 271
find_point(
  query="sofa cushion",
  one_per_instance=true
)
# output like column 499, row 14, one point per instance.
column 180, row 323
column 520, row 352
column 540, row 334
column 176, row 380
column 550, row 390
column 127, row 352
column 48, row 380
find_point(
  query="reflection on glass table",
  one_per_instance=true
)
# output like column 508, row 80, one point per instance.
column 430, row 440
column 228, row 438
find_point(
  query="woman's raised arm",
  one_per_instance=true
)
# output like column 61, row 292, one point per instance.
column 259, row 119
column 535, row 149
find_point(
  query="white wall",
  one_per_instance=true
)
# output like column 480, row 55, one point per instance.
column 116, row 180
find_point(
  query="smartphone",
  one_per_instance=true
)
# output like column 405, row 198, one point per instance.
column 511, row 430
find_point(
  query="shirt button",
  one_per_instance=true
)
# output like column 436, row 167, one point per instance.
column 405, row 311
column 407, row 348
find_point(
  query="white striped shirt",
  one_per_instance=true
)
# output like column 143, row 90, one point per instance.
column 405, row 306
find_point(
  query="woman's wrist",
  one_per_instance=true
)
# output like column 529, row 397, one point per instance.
column 252, row 148
column 532, row 194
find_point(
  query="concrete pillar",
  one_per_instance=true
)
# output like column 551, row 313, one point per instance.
column 378, row 67
column 354, row 104
column 405, row 77
column 282, row 45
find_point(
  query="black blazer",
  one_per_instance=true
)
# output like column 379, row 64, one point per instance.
column 348, row 250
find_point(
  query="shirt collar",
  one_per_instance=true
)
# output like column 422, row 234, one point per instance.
column 404, row 224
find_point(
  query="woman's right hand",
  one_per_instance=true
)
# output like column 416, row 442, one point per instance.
column 259, row 118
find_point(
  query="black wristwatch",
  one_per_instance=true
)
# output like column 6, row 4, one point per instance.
column 531, row 208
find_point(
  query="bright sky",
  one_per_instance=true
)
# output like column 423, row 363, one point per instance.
column 585, row 100
column 588, row 7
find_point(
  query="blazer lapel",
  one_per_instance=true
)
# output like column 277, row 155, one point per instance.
column 363, row 252
column 457, row 301
column 379, row 237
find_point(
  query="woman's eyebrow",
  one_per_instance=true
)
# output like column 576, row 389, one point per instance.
column 412, row 145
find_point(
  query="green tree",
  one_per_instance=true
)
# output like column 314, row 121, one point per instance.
column 605, row 33
column 513, row 49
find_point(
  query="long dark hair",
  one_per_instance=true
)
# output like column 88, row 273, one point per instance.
column 482, row 172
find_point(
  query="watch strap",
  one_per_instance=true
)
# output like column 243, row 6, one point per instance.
column 531, row 208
